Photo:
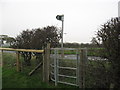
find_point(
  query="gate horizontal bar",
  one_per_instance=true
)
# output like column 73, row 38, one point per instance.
column 64, row 82
column 52, row 65
column 67, row 59
column 64, row 48
column 67, row 48
column 63, row 67
column 67, row 68
column 66, row 76
column 68, row 83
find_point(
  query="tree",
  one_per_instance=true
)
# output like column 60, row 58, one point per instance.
column 42, row 36
column 2, row 39
column 10, row 40
column 46, row 35
column 24, row 41
column 7, row 39
column 109, row 37
column 71, row 45
column 36, row 39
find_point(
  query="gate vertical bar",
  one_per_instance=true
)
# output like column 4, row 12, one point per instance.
column 55, row 66
column 77, row 67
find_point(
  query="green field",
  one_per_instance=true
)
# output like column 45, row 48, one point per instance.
column 90, row 52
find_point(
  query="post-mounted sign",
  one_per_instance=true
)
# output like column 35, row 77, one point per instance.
column 60, row 17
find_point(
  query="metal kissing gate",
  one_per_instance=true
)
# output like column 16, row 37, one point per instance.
column 69, row 69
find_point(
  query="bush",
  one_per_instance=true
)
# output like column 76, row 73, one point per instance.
column 109, row 37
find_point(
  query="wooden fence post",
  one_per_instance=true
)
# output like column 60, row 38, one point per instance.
column 46, row 64
column 18, row 61
column 82, row 67
column 1, row 62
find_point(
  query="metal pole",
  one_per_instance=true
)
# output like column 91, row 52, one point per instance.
column 62, row 35
column 62, row 38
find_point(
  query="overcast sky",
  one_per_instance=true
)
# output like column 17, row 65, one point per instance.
column 82, row 18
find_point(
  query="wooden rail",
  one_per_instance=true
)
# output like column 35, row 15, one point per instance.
column 18, row 55
column 22, row 50
column 46, row 58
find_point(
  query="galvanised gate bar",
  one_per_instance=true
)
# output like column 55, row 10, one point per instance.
column 74, row 60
